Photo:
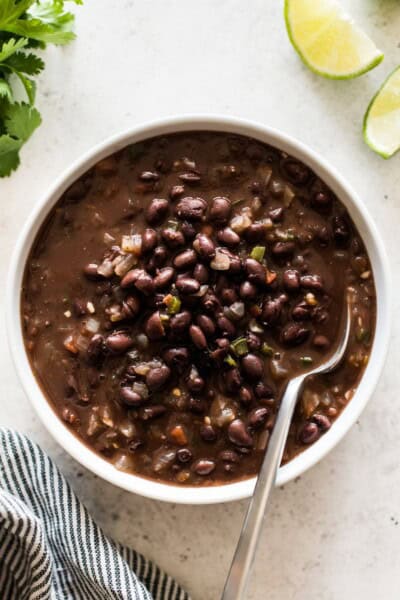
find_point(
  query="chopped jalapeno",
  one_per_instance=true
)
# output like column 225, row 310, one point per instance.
column 172, row 303
column 258, row 253
column 239, row 346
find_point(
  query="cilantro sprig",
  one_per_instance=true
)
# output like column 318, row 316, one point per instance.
column 25, row 25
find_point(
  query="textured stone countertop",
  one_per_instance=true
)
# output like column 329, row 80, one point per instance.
column 334, row 534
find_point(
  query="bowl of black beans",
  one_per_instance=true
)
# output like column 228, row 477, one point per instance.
column 168, row 287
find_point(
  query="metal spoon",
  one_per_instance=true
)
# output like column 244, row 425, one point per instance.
column 238, row 574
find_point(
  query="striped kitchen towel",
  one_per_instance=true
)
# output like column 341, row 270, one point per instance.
column 51, row 549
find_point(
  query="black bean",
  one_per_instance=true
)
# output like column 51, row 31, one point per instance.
column 309, row 433
column 159, row 256
column 90, row 271
column 291, row 280
column 130, row 278
column 149, row 240
column 190, row 178
column 180, row 322
column 153, row 412
column 149, row 176
column 248, row 290
column 188, row 230
column 262, row 390
column 173, row 237
column 176, row 358
column 257, row 417
column 119, row 342
column 184, row 455
column 322, row 421
column 157, row 210
column 204, row 466
column 176, row 191
column 239, row 435
column 220, row 209
column 302, row 311
column 246, row 395
column 208, row 433
column 322, row 201
column 197, row 406
column 157, row 377
column 191, row 209
column 194, row 382
column 164, row 277
column 144, row 283
column 233, row 380
column 80, row 307
column 295, row 171
column 226, row 326
column 228, row 296
column 154, row 327
column 204, row 246
column 207, row 325
column 312, row 282
column 256, row 272
column 276, row 214
column 228, row 237
column 131, row 398
column 271, row 312
column 201, row 273
column 130, row 307
column 229, row 456
column 341, row 231
column 187, row 285
column 252, row 367
column 211, row 303
column 293, row 334
column 198, row 337
column 185, row 259
column 283, row 249
column 254, row 233
column 321, row 341
column 253, row 341
column 95, row 349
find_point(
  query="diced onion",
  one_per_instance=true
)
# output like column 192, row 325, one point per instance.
column 108, row 239
column 141, row 389
column 221, row 261
column 92, row 325
column 106, row 268
column 123, row 461
column 221, row 411
column 132, row 243
column 125, row 264
column 162, row 459
column 240, row 223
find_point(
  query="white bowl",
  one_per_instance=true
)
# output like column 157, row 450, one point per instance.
column 305, row 460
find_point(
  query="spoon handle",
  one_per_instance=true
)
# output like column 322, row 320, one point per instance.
column 238, row 574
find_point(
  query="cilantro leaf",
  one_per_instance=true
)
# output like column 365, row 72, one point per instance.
column 5, row 90
column 9, row 158
column 25, row 25
column 21, row 120
column 11, row 10
column 26, row 63
column 8, row 48
column 45, row 21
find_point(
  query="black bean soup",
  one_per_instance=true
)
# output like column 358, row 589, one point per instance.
column 174, row 290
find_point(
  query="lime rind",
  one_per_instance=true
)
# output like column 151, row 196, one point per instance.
column 369, row 115
column 371, row 64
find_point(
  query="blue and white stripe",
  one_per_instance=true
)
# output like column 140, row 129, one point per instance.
column 51, row 549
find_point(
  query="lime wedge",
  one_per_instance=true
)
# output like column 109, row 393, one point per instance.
column 382, row 119
column 327, row 39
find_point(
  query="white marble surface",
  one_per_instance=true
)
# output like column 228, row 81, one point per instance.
column 333, row 534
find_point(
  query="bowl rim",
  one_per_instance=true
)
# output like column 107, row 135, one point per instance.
column 243, row 488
